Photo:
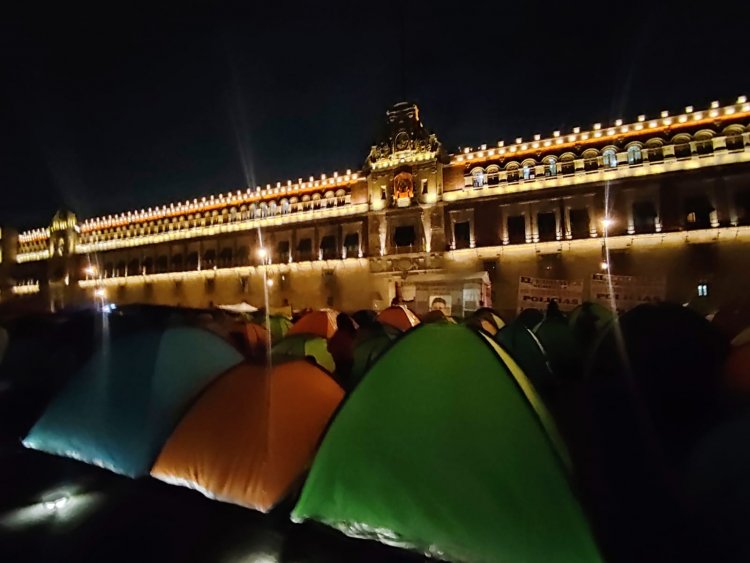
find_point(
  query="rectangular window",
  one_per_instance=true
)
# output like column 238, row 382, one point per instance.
column 404, row 238
column 282, row 251
column 644, row 217
column 742, row 202
column 579, row 223
column 304, row 250
column 462, row 234
column 517, row 229
column 328, row 247
column 698, row 212
column 547, row 226
column 351, row 245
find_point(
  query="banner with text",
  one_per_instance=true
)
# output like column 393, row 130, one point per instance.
column 625, row 292
column 536, row 293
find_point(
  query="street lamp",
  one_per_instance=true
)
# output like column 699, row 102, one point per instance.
column 262, row 253
column 90, row 270
column 607, row 222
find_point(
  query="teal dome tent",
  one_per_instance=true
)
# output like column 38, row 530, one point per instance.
column 119, row 408
column 445, row 448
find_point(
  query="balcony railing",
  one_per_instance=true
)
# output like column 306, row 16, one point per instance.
column 699, row 149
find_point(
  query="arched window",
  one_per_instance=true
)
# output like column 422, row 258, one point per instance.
column 654, row 151
column 703, row 141
column 550, row 167
column 609, row 158
column 634, row 154
column 493, row 175
column 590, row 160
column 529, row 169
column 567, row 163
column 478, row 178
column 512, row 171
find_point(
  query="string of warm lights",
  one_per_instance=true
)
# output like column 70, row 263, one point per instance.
column 220, row 201
column 690, row 118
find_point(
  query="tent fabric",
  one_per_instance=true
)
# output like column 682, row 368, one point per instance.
column 118, row 409
column 600, row 316
column 298, row 346
column 398, row 316
column 371, row 341
column 530, row 318
column 439, row 449
column 485, row 319
column 528, row 352
column 319, row 323
column 561, row 346
column 242, row 307
column 252, row 434
column 277, row 325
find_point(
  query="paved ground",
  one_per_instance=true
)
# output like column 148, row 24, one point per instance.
column 58, row 510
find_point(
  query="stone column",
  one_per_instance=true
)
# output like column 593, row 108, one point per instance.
column 732, row 208
column 657, row 207
column 558, row 223
column 533, row 210
column 504, row 224
column 713, row 200
column 527, row 221
column 592, row 218
column 568, row 230
column 427, row 227
column 629, row 212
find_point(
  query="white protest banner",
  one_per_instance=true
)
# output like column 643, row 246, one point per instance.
column 625, row 292
column 536, row 293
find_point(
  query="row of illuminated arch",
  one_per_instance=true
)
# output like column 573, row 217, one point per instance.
column 260, row 210
column 328, row 249
column 685, row 145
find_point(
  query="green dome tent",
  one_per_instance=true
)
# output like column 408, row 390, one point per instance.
column 563, row 350
column 370, row 343
column 298, row 346
column 528, row 352
column 445, row 448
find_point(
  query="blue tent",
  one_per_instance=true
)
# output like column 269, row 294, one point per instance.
column 120, row 407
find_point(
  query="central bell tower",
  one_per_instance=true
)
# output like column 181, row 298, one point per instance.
column 405, row 167
column 405, row 185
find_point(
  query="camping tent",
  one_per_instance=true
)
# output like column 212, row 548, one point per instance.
column 250, row 436
column 445, row 448
column 119, row 408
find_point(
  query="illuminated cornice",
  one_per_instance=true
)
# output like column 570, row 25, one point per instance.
column 222, row 201
column 32, row 256
column 233, row 227
column 33, row 235
column 234, row 271
column 25, row 288
column 598, row 135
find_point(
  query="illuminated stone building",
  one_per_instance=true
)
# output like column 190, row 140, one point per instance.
column 672, row 194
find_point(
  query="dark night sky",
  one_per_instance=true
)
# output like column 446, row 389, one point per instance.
column 109, row 112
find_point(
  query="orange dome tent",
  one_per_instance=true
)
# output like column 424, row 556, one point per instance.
column 320, row 323
column 252, row 434
column 398, row 316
